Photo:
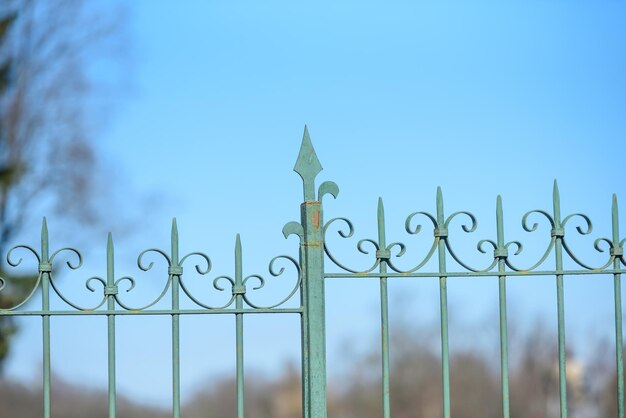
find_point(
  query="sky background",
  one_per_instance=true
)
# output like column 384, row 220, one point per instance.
column 400, row 97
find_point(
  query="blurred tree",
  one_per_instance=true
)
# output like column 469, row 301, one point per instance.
column 70, row 401
column 415, row 386
column 51, row 101
column 7, row 327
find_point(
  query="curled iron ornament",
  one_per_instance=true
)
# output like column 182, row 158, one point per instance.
column 204, row 271
column 14, row 263
column 413, row 231
column 132, row 282
column 533, row 228
column 224, row 282
column 73, row 266
column 275, row 273
column 395, row 249
column 216, row 286
column 201, row 269
column 48, row 270
column 468, row 229
column 596, row 244
column 348, row 234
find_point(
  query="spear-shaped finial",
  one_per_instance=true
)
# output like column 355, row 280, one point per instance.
column 307, row 166
column 44, row 240
column 110, row 265
column 381, row 225
column 440, row 217
column 499, row 222
column 174, row 242
column 238, row 269
column 615, row 220
column 556, row 199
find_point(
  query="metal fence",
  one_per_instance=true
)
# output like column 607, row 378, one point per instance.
column 310, row 277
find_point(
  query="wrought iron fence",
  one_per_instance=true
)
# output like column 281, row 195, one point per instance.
column 310, row 275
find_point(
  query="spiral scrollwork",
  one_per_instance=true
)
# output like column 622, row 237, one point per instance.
column 240, row 286
column 88, row 283
column 360, row 245
column 216, row 286
column 469, row 228
column 533, row 228
column 275, row 273
column 412, row 230
column 586, row 230
column 14, row 263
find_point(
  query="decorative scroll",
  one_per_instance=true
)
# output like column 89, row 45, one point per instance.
column 441, row 233
column 113, row 288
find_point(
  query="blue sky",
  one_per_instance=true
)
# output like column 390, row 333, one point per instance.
column 482, row 99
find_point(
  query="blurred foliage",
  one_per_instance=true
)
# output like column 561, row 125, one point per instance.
column 415, row 387
column 48, row 116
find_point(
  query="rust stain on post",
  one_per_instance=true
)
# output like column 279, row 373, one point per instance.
column 315, row 219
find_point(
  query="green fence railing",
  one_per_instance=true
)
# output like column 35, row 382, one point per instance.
column 310, row 275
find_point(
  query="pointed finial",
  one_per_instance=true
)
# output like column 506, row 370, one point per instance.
column 307, row 166
column 44, row 240
column 381, row 225
column 499, row 222
column 556, row 202
column 238, row 269
column 110, row 273
column 174, row 242
column 555, row 188
column 615, row 220
column 440, row 219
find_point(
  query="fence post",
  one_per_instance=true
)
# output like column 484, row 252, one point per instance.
column 312, row 264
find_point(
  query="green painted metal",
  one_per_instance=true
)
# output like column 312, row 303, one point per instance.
column 309, row 272
column 175, row 271
column 557, row 234
column 383, row 255
column 616, row 253
column 312, row 264
column 110, row 292
column 44, row 270
column 441, row 234
column 501, row 253
column 239, row 291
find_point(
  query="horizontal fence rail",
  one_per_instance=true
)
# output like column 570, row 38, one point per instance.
column 308, row 272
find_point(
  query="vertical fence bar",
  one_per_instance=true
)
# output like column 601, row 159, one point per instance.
column 617, row 252
column 304, row 339
column 312, row 264
column 383, row 255
column 501, row 254
column 110, row 292
column 441, row 233
column 239, row 290
column 44, row 269
column 175, row 271
column 557, row 234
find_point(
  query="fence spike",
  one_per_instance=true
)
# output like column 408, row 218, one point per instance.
column 174, row 242
column 307, row 166
column 440, row 218
column 615, row 220
column 556, row 197
column 44, row 241
column 499, row 222
column 110, row 273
